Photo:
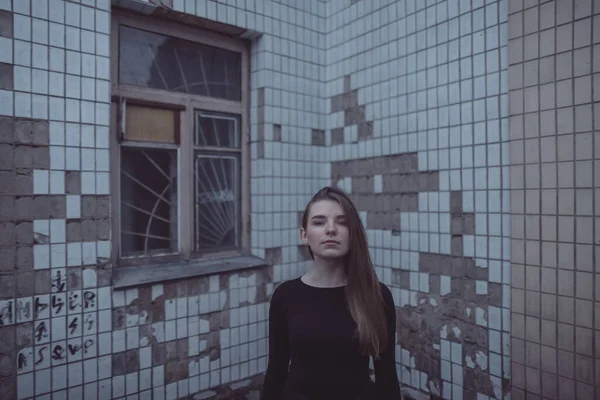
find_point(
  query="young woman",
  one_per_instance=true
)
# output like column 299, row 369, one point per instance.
column 331, row 320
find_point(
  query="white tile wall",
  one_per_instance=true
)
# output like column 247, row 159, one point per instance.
column 432, row 76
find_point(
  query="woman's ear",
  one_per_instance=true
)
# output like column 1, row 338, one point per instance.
column 303, row 236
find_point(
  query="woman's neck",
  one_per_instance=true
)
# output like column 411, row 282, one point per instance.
column 327, row 273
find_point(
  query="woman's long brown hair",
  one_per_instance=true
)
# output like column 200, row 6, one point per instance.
column 363, row 291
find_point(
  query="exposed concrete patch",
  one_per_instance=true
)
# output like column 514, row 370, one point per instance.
column 6, row 24
column 337, row 136
column 318, row 137
column 405, row 163
column 23, row 148
column 386, row 186
column 8, row 387
column 6, row 75
column 277, row 133
column 454, row 309
column 354, row 114
column 421, row 329
column 273, row 255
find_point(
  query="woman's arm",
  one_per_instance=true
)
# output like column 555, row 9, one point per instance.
column 279, row 349
column 386, row 378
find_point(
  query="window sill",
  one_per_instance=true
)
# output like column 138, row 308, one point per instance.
column 141, row 275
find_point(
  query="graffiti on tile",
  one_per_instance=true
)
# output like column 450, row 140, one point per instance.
column 41, row 331
column 41, row 307
column 6, row 312
column 25, row 360
column 24, row 309
column 58, row 304
column 182, row 325
column 59, row 338
column 59, row 281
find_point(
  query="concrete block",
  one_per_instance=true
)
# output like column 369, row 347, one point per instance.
column 58, row 207
column 7, row 130
column 88, row 206
column 25, row 284
column 8, row 234
column 24, row 258
column 24, row 233
column 88, row 230
column 41, row 157
column 73, row 182
column 23, row 131
column 40, row 133
column 23, row 183
column 23, row 157
column 6, row 75
column 8, row 258
column 103, row 229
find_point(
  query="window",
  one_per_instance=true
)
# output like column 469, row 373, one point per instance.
column 179, row 117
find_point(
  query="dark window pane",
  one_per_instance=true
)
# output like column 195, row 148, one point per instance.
column 148, row 201
column 162, row 62
column 217, row 130
column 217, row 202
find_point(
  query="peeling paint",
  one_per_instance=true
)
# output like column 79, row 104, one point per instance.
column 444, row 332
column 456, row 332
column 421, row 327
column 469, row 362
column 480, row 317
column 482, row 360
column 434, row 388
column 445, row 285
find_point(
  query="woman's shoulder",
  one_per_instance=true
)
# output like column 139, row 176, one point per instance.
column 283, row 289
column 386, row 293
column 385, row 288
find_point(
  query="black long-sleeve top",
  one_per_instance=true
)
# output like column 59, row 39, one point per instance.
column 314, row 329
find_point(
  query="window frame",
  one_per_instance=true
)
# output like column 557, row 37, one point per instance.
column 187, row 105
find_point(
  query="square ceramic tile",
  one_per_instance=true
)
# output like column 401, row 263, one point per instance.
column 105, row 389
column 90, row 391
column 118, row 386
column 118, row 341
column 131, row 383
column 43, row 381
column 75, row 374
column 75, row 392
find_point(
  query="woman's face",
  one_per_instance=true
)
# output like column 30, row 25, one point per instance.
column 326, row 230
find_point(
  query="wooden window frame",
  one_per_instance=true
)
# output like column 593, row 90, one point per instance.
column 187, row 104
